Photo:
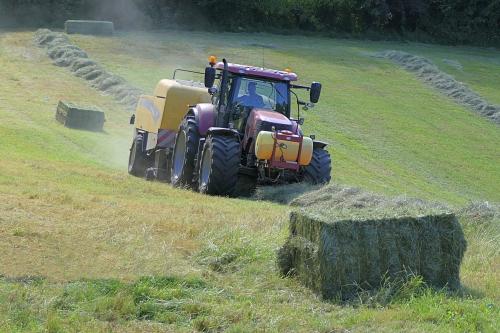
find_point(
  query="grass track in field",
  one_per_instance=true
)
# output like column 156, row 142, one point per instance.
column 68, row 211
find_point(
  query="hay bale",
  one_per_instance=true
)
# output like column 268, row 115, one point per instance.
column 336, row 246
column 73, row 116
column 103, row 28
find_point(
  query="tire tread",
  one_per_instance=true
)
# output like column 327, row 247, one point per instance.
column 319, row 169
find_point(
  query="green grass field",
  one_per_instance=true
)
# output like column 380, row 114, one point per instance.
column 85, row 247
column 388, row 131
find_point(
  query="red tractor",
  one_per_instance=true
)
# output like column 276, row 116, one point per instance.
column 237, row 136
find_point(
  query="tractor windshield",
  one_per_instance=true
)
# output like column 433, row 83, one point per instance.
column 255, row 93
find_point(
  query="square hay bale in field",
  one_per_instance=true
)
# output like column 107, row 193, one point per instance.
column 73, row 116
column 84, row 27
column 338, row 251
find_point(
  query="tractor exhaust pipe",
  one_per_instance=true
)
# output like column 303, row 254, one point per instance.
column 221, row 115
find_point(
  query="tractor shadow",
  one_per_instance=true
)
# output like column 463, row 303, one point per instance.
column 282, row 194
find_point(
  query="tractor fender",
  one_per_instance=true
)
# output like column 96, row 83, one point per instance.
column 214, row 131
column 319, row 144
column 223, row 131
column 204, row 115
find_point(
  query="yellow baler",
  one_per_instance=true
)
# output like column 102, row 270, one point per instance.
column 165, row 110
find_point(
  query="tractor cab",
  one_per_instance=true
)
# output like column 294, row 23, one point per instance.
column 241, row 89
column 246, row 93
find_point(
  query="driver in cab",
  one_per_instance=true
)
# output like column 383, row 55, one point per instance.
column 252, row 99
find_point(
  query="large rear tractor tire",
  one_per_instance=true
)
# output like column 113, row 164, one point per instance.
column 318, row 171
column 183, row 159
column 137, row 159
column 220, row 163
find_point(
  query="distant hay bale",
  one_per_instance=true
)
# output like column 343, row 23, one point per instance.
column 73, row 116
column 347, row 239
column 84, row 27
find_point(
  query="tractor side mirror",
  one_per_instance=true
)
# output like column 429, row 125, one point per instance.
column 209, row 77
column 315, row 92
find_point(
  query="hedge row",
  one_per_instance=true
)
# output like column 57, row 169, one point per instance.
column 453, row 21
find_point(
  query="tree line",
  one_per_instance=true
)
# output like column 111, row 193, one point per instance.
column 450, row 21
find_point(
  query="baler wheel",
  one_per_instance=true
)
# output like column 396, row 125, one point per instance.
column 138, row 159
column 219, row 166
column 186, row 148
column 318, row 170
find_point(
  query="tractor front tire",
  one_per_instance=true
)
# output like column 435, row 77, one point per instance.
column 183, row 159
column 220, row 163
column 137, row 159
column 318, row 170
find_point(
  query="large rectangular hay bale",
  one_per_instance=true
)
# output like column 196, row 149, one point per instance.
column 74, row 116
column 84, row 27
column 337, row 257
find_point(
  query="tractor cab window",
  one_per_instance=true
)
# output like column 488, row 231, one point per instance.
column 251, row 93
column 247, row 94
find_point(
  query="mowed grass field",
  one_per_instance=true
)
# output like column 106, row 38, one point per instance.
column 388, row 131
column 85, row 247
